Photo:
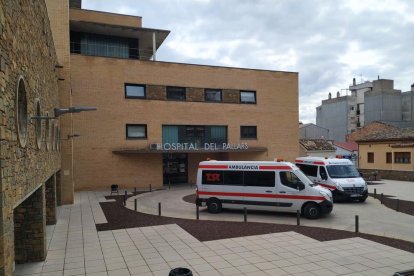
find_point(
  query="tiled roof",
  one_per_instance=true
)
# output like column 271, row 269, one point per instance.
column 317, row 145
column 390, row 135
column 351, row 146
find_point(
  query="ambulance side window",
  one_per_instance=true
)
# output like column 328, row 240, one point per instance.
column 322, row 173
column 234, row 178
column 259, row 178
column 290, row 180
column 212, row 177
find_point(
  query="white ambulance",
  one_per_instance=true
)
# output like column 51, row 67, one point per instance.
column 338, row 175
column 260, row 185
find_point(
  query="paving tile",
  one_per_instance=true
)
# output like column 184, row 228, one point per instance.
column 75, row 271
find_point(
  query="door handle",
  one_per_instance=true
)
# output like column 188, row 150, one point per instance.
column 268, row 191
column 282, row 192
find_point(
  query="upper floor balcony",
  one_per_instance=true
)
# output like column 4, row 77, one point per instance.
column 112, row 35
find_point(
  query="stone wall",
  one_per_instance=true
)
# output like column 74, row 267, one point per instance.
column 387, row 174
column 50, row 187
column 30, row 228
column 27, row 51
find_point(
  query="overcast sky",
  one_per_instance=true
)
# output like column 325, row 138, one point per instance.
column 327, row 42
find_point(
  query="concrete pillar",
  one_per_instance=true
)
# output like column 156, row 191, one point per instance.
column 154, row 47
column 30, row 228
column 50, row 186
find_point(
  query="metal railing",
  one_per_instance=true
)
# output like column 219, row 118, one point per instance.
column 106, row 50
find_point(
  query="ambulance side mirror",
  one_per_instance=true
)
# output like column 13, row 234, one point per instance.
column 324, row 176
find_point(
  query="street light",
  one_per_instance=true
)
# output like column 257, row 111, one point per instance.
column 72, row 109
column 61, row 111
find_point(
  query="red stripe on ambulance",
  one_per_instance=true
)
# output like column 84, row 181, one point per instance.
column 213, row 166
column 261, row 195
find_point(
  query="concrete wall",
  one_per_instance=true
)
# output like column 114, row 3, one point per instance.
column 407, row 108
column 382, row 106
column 99, row 82
column 333, row 115
column 26, row 50
column 313, row 132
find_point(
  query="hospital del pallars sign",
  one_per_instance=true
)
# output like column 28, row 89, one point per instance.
column 205, row 146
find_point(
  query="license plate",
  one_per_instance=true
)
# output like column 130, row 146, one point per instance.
column 354, row 195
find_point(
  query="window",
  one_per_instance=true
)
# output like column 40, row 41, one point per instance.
column 136, row 131
column 212, row 95
column 259, row 178
column 233, row 178
column 48, row 134
column 402, row 157
column 308, row 169
column 135, row 91
column 290, row 180
column 212, row 177
column 21, row 111
column 248, row 132
column 194, row 131
column 370, row 157
column 248, row 97
column 38, row 125
column 322, row 173
column 176, row 93
column 388, row 157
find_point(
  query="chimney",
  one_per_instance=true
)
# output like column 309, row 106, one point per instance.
column 330, row 95
column 378, row 77
column 412, row 87
column 337, row 94
column 353, row 81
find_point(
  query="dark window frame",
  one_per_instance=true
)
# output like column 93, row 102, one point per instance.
column 136, row 138
column 286, row 183
column 308, row 169
column 388, row 157
column 248, row 91
column 136, row 85
column 370, row 157
column 169, row 88
column 215, row 90
column 402, row 157
column 248, row 137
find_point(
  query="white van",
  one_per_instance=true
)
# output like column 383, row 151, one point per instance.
column 274, row 186
column 338, row 175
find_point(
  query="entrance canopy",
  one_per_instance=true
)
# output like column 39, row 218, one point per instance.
column 149, row 150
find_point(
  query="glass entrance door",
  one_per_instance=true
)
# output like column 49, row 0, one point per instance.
column 175, row 168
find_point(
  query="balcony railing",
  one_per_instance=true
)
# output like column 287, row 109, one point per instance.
column 107, row 50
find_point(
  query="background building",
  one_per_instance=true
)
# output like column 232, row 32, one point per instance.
column 316, row 148
column 312, row 131
column 369, row 101
column 389, row 153
column 29, row 147
column 335, row 115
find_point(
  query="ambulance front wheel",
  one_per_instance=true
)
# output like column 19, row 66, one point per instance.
column 214, row 205
column 312, row 211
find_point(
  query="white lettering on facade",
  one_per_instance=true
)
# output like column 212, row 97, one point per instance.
column 206, row 146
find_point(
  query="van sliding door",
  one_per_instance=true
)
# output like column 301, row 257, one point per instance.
column 260, row 192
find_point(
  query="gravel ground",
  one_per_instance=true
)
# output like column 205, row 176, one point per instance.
column 120, row 217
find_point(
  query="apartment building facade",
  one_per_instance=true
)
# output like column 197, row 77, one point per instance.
column 369, row 101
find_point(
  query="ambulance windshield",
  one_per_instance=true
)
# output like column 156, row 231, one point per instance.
column 342, row 171
column 304, row 178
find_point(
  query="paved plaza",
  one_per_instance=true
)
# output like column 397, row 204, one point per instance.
column 374, row 218
column 76, row 248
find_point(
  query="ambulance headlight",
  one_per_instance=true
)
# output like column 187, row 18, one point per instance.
column 339, row 187
column 327, row 196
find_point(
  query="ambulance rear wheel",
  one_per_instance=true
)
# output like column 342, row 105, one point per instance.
column 214, row 205
column 312, row 211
